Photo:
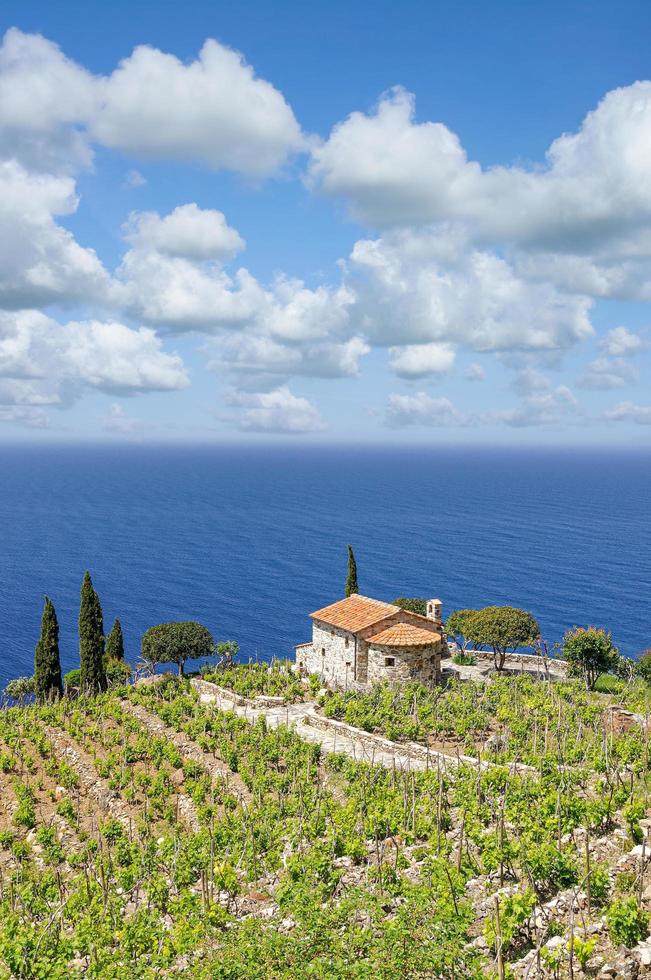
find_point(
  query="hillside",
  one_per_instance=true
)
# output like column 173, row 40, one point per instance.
column 150, row 833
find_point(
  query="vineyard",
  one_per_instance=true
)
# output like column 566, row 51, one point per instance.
column 145, row 833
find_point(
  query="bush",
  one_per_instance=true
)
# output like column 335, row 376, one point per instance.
column 627, row 921
column 589, row 652
column 118, row 672
column 72, row 680
column 20, row 689
column 464, row 659
column 643, row 668
column 414, row 605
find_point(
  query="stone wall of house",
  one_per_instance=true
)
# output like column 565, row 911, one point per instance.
column 401, row 664
column 333, row 655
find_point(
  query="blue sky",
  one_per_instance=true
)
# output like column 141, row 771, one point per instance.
column 368, row 222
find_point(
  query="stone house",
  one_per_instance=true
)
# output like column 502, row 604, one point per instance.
column 360, row 641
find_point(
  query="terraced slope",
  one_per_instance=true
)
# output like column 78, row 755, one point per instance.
column 147, row 834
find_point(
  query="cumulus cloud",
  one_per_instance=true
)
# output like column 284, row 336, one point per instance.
column 608, row 372
column 423, row 410
column 420, row 360
column 630, row 412
column 277, row 411
column 405, row 293
column 60, row 360
column 187, row 232
column 41, row 262
column 393, row 170
column 44, row 100
column 546, row 408
column 248, row 353
column 621, row 342
column 213, row 111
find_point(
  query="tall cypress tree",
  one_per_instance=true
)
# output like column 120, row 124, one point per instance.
column 115, row 642
column 351, row 580
column 47, row 665
column 91, row 640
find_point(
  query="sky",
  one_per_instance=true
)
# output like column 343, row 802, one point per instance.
column 368, row 222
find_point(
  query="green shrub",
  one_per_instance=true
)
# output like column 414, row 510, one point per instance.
column 72, row 680
column 627, row 921
column 414, row 605
column 464, row 659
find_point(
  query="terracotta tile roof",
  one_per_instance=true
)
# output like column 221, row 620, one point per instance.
column 355, row 613
column 404, row 635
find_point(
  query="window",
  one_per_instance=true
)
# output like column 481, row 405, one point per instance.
column 348, row 663
column 389, row 661
column 346, row 641
column 323, row 651
column 300, row 664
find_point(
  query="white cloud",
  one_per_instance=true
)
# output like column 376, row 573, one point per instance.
column 181, row 295
column 630, row 412
column 608, row 372
column 277, row 411
column 621, row 342
column 474, row 372
column 213, row 111
column 61, row 359
column 44, row 98
column 187, row 232
column 546, row 408
column 420, row 360
column 134, row 179
column 32, row 418
column 40, row 262
column 248, row 353
column 423, row 410
column 118, row 422
column 407, row 294
column 393, row 170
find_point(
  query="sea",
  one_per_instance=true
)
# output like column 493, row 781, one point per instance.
column 250, row 540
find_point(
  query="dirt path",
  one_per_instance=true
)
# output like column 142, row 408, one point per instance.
column 297, row 716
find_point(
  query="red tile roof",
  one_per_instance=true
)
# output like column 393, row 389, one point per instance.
column 355, row 613
column 404, row 635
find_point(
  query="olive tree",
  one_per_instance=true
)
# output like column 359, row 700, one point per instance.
column 175, row 643
column 457, row 626
column 502, row 628
column 589, row 652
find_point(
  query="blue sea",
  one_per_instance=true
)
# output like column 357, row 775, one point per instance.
column 249, row 540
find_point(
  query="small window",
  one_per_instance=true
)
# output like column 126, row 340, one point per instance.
column 323, row 651
column 346, row 641
column 348, row 663
column 300, row 664
column 389, row 661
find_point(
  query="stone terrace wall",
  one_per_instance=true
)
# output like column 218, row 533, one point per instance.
column 524, row 661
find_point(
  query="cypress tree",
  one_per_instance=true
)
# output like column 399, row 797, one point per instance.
column 115, row 642
column 91, row 640
column 351, row 580
column 47, row 665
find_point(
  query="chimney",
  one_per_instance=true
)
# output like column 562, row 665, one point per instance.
column 435, row 610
